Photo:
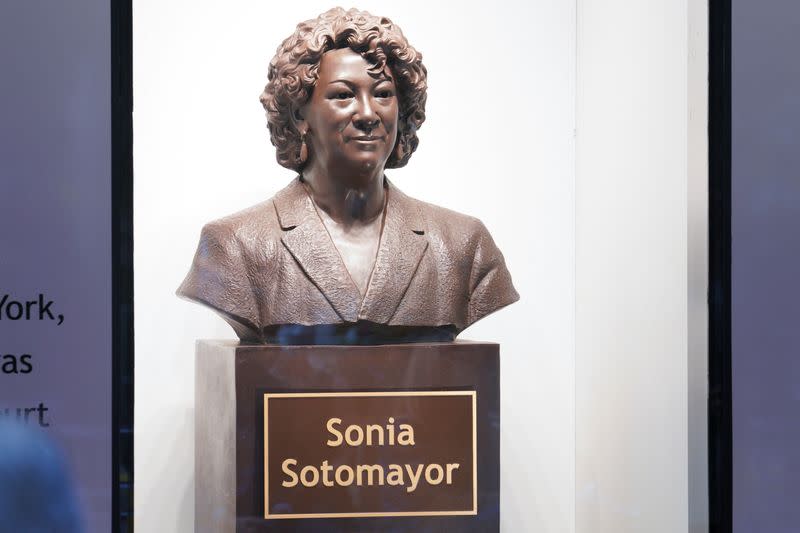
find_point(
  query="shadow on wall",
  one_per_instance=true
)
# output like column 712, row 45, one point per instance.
column 36, row 494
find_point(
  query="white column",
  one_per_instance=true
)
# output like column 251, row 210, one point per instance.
column 640, row 266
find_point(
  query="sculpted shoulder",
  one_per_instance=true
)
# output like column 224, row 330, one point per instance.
column 256, row 224
column 465, row 251
column 452, row 229
column 231, row 263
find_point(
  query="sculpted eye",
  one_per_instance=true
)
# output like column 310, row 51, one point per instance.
column 343, row 95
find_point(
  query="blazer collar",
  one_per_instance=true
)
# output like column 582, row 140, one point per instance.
column 403, row 243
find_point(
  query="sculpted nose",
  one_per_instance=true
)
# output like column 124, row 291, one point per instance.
column 366, row 119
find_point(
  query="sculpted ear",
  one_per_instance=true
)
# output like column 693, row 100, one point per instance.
column 302, row 129
column 399, row 149
column 299, row 122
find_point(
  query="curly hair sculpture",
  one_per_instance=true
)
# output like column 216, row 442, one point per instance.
column 294, row 70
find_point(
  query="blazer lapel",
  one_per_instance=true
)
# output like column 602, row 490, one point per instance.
column 306, row 238
column 403, row 243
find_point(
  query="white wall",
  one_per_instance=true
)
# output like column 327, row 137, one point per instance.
column 498, row 144
column 697, row 207
column 641, row 267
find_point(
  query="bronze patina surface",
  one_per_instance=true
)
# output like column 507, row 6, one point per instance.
column 341, row 255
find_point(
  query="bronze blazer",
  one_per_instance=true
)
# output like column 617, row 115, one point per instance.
column 274, row 264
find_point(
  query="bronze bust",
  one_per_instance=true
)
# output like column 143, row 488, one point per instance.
column 341, row 255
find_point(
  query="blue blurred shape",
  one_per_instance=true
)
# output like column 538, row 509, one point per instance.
column 36, row 494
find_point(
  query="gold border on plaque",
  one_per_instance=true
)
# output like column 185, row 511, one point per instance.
column 473, row 511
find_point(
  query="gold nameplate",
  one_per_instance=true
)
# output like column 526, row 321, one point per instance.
column 370, row 454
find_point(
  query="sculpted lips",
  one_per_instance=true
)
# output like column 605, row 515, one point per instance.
column 366, row 138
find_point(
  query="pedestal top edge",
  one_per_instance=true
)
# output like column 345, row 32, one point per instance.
column 233, row 343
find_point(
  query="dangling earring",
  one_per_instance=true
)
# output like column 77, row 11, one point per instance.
column 303, row 154
column 399, row 151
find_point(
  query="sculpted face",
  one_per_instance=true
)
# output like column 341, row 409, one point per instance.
column 351, row 118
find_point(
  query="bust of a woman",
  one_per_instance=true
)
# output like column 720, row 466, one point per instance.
column 341, row 255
